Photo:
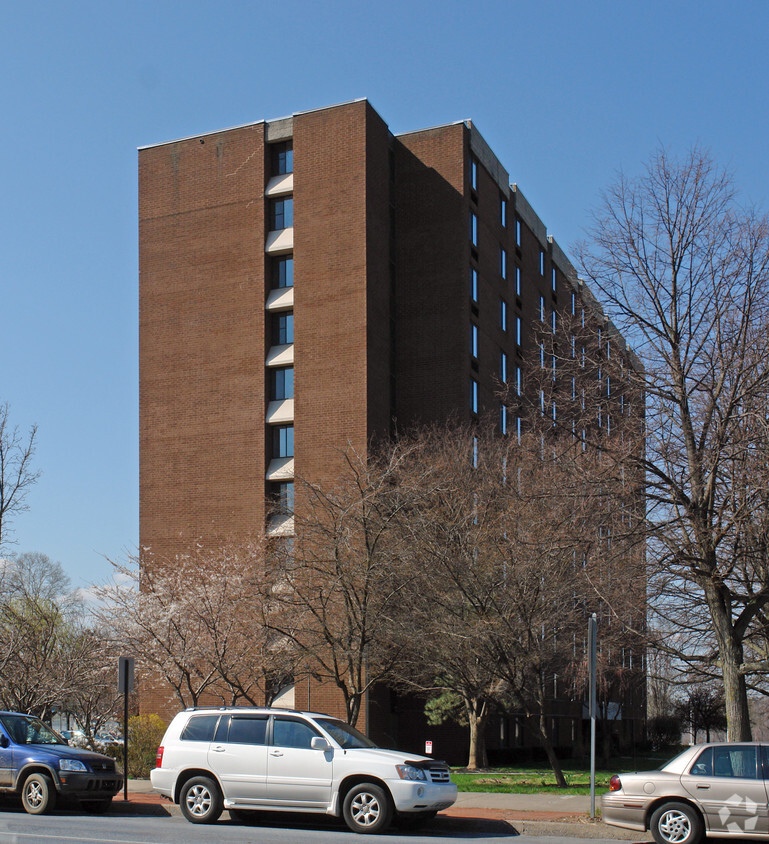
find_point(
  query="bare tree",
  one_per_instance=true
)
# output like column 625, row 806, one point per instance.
column 16, row 473
column 338, row 585
column 196, row 622
column 38, row 614
column 684, row 273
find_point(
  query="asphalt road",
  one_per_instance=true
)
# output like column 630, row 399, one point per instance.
column 16, row 827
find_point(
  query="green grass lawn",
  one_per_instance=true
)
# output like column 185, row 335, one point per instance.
column 538, row 780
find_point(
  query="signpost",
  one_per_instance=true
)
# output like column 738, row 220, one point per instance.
column 125, row 684
column 592, row 652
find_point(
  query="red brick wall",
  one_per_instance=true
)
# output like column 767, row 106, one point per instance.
column 201, row 303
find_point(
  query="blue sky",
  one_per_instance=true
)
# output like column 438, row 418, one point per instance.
column 564, row 92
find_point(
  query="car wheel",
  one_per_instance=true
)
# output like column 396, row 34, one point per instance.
column 676, row 823
column 38, row 794
column 200, row 800
column 367, row 808
column 414, row 820
column 96, row 807
column 244, row 816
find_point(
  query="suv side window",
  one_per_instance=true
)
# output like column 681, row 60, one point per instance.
column 288, row 732
column 243, row 729
column 200, row 728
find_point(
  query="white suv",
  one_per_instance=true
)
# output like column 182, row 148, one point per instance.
column 245, row 759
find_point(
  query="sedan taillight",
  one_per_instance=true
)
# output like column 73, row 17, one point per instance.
column 159, row 758
column 615, row 784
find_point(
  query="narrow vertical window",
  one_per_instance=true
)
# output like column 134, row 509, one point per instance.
column 503, row 314
column 474, row 284
column 541, row 262
column 518, row 330
column 282, row 213
column 517, row 232
column 518, row 380
column 474, row 340
column 503, row 211
column 473, row 173
column 503, row 367
column 554, row 281
column 473, row 395
column 503, row 263
column 282, row 272
column 541, row 308
column 473, row 229
column 475, row 452
column 573, row 304
column 552, row 321
column 502, row 419
column 517, row 281
column 282, row 158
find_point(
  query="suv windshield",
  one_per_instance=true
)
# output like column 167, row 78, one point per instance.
column 24, row 729
column 343, row 734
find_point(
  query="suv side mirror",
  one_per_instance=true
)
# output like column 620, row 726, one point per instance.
column 319, row 743
column 4, row 740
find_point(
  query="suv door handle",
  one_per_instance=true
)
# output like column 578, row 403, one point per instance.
column 276, row 753
column 218, row 748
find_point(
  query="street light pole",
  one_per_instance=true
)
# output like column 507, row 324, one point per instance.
column 592, row 638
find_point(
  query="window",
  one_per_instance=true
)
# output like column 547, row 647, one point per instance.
column 287, row 732
column 554, row 280
column 473, row 284
column 282, row 158
column 474, row 340
column 503, row 367
column 552, row 321
column 473, row 229
column 518, row 380
column 247, row 730
column 503, row 263
column 573, row 304
column 541, row 355
column 517, row 281
column 282, row 383
column 541, row 308
column 502, row 419
column 282, row 329
column 473, row 395
column 473, row 173
column 283, row 441
column 282, row 495
column 733, row 761
column 282, row 213
column 541, row 262
column 475, row 452
column 282, row 272
column 503, row 211
column 518, row 428
column 200, row 728
column 503, row 314
column 518, row 330
column 517, row 232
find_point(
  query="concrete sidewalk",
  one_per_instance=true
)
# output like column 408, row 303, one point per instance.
column 530, row 814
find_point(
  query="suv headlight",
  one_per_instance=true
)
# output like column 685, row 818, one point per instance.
column 409, row 772
column 71, row 765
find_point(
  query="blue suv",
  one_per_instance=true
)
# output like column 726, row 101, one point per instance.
column 38, row 765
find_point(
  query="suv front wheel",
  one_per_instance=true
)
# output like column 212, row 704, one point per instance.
column 200, row 800
column 367, row 808
column 38, row 794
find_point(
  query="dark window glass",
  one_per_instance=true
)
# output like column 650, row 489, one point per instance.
column 282, row 329
column 282, row 213
column 282, row 383
column 200, row 728
column 473, row 395
column 289, row 733
column 245, row 730
column 222, row 729
column 503, row 210
column 283, row 272
column 282, row 495
column 735, row 761
column 474, row 284
column 283, row 441
column 503, row 314
column 473, row 229
column 282, row 158
column 474, row 340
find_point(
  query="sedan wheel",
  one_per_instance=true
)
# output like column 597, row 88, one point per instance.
column 676, row 823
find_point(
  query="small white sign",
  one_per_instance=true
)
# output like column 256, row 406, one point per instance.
column 428, row 748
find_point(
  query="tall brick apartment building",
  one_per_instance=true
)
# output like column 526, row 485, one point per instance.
column 306, row 282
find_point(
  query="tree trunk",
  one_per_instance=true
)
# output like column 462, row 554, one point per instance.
column 560, row 780
column 476, row 757
column 731, row 657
